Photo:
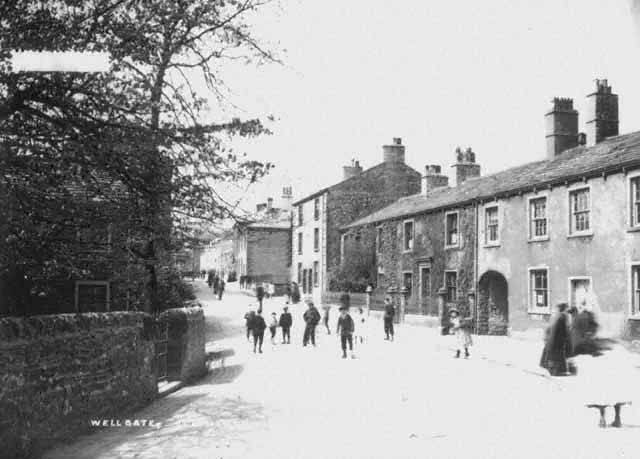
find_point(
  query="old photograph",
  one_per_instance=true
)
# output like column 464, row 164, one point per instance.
column 303, row 229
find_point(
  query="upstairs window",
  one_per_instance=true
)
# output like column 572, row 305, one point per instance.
column 316, row 208
column 299, row 243
column 451, row 229
column 538, row 218
column 491, row 225
column 300, row 216
column 316, row 267
column 580, row 205
column 407, row 282
column 635, row 202
column 635, row 290
column 408, row 235
column 379, row 239
column 316, row 239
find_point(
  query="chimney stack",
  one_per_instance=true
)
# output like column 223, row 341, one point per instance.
column 261, row 207
column 433, row 178
column 351, row 170
column 287, row 197
column 269, row 204
column 465, row 165
column 562, row 127
column 394, row 153
column 602, row 113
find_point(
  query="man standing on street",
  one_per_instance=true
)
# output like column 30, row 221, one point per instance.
column 311, row 318
column 389, row 313
column 221, row 286
column 345, row 330
column 258, row 327
column 285, row 322
column 260, row 296
column 325, row 318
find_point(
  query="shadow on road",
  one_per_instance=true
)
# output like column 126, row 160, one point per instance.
column 221, row 375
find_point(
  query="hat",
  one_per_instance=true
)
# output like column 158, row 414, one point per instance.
column 273, row 313
column 454, row 310
column 285, row 308
column 343, row 308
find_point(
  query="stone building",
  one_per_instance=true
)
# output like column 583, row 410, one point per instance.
column 318, row 217
column 218, row 256
column 262, row 246
column 565, row 229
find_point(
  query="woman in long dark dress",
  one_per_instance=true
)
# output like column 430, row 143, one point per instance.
column 557, row 347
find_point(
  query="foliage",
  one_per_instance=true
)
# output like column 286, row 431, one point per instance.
column 356, row 271
column 133, row 147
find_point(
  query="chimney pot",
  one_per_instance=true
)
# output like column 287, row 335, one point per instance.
column 433, row 179
column 465, row 165
column 394, row 153
column 602, row 113
column 561, row 127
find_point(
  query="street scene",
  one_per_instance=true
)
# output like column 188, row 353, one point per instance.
column 301, row 229
column 406, row 398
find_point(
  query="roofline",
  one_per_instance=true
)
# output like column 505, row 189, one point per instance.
column 604, row 171
column 325, row 189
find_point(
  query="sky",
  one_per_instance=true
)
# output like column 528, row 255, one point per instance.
column 438, row 74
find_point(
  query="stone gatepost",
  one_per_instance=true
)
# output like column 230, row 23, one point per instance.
column 404, row 293
column 369, row 291
column 444, row 327
column 473, row 313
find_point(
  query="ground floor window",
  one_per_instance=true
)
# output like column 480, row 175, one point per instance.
column 538, row 290
column 407, row 282
column 315, row 273
column 451, row 285
column 92, row 296
column 635, row 290
column 579, row 289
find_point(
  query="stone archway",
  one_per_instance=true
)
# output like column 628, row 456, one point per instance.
column 493, row 304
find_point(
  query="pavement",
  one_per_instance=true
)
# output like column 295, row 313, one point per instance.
column 404, row 399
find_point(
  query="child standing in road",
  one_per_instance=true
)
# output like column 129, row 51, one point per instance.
column 285, row 322
column 257, row 327
column 345, row 330
column 462, row 332
column 273, row 326
column 248, row 319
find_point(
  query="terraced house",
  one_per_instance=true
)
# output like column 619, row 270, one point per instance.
column 319, row 216
column 508, row 246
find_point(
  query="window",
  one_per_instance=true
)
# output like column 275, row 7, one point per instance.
column 316, row 239
column 491, row 234
column 379, row 239
column 580, row 208
column 408, row 235
column 299, row 243
column 425, row 290
column 538, row 290
column 300, row 216
column 451, row 285
column 343, row 241
column 92, row 296
column 315, row 273
column 407, row 282
column 451, row 229
column 579, row 288
column 316, row 208
column 299, row 273
column 538, row 218
column 635, row 289
column 635, row 202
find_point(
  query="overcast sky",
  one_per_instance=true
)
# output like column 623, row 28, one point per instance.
column 438, row 74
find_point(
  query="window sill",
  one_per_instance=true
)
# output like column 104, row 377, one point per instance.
column 452, row 247
column 408, row 251
column 538, row 239
column 634, row 229
column 539, row 313
column 579, row 235
column 491, row 245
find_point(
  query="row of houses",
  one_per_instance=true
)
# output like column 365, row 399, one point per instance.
column 503, row 248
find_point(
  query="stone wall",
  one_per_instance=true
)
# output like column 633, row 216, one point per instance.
column 186, row 348
column 59, row 372
column 428, row 251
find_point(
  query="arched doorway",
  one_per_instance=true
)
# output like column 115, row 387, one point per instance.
column 493, row 304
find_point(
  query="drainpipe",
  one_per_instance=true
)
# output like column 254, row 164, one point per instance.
column 476, row 324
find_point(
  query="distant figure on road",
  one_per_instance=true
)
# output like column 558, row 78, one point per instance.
column 257, row 328
column 210, row 279
column 216, row 284
column 295, row 293
column 361, row 326
column 248, row 320
column 273, row 326
column 462, row 332
column 345, row 329
column 325, row 318
column 221, row 286
column 288, row 293
column 389, row 313
column 260, row 296
column 311, row 319
column 285, row 322
column 557, row 346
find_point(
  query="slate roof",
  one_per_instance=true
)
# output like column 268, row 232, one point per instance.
column 281, row 219
column 381, row 165
column 606, row 157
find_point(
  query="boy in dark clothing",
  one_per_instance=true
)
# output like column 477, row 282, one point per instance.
column 258, row 327
column 285, row 322
column 260, row 296
column 389, row 313
column 221, row 286
column 248, row 319
column 311, row 318
column 345, row 329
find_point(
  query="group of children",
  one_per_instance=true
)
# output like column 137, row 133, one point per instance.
column 346, row 327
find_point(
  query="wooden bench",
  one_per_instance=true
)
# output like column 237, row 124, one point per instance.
column 602, row 409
